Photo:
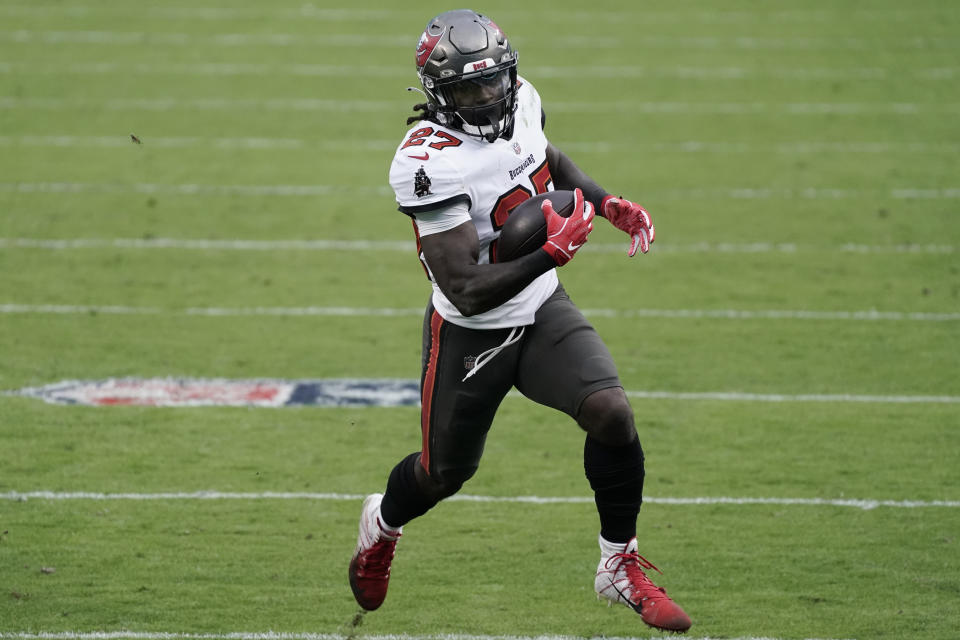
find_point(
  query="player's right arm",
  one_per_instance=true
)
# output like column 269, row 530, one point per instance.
column 474, row 288
column 450, row 247
column 452, row 256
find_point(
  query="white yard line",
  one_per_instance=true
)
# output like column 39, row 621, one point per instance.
column 817, row 147
column 717, row 314
column 195, row 189
column 313, row 190
column 534, row 73
column 865, row 504
column 59, row 309
column 210, row 245
column 804, row 397
column 167, row 392
column 200, row 244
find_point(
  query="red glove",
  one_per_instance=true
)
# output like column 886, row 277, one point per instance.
column 566, row 235
column 632, row 219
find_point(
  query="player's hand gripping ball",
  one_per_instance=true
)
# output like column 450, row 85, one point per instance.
column 546, row 221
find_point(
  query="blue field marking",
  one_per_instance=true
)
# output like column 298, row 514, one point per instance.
column 356, row 393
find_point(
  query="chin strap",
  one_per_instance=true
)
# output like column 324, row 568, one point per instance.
column 495, row 125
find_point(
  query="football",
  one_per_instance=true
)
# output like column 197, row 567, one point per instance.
column 526, row 228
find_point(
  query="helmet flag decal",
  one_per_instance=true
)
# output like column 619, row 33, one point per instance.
column 425, row 47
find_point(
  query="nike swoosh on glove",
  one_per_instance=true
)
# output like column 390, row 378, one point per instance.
column 632, row 219
column 566, row 235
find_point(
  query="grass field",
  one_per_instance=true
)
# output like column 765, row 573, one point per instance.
column 791, row 343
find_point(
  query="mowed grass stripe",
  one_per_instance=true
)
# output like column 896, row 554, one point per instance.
column 617, row 72
column 749, row 42
column 313, row 12
column 275, row 635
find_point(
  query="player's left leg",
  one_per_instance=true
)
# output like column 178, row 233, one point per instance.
column 564, row 364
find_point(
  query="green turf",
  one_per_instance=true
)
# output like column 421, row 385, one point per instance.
column 822, row 134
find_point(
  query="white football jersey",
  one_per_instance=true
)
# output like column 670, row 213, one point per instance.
column 435, row 167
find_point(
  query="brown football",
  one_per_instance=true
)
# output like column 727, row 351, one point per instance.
column 525, row 230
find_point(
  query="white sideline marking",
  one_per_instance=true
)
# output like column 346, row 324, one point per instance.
column 277, row 635
column 63, row 244
column 720, row 314
column 370, row 106
column 867, row 504
column 312, row 190
column 686, row 146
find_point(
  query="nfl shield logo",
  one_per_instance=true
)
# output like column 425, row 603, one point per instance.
column 469, row 362
column 516, row 148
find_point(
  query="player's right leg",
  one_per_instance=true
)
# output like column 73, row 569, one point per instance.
column 455, row 418
column 565, row 365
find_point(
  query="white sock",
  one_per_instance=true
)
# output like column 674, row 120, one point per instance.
column 608, row 548
column 391, row 533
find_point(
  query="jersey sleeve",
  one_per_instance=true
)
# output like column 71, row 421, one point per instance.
column 443, row 219
column 424, row 185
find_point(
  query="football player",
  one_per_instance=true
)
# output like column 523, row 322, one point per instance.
column 476, row 150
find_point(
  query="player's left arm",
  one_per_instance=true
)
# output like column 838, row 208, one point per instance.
column 627, row 216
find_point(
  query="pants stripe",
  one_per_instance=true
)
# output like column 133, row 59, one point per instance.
column 428, row 387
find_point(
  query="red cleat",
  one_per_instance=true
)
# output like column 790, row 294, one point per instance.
column 370, row 565
column 620, row 578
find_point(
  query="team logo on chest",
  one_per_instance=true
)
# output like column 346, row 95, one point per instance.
column 421, row 183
